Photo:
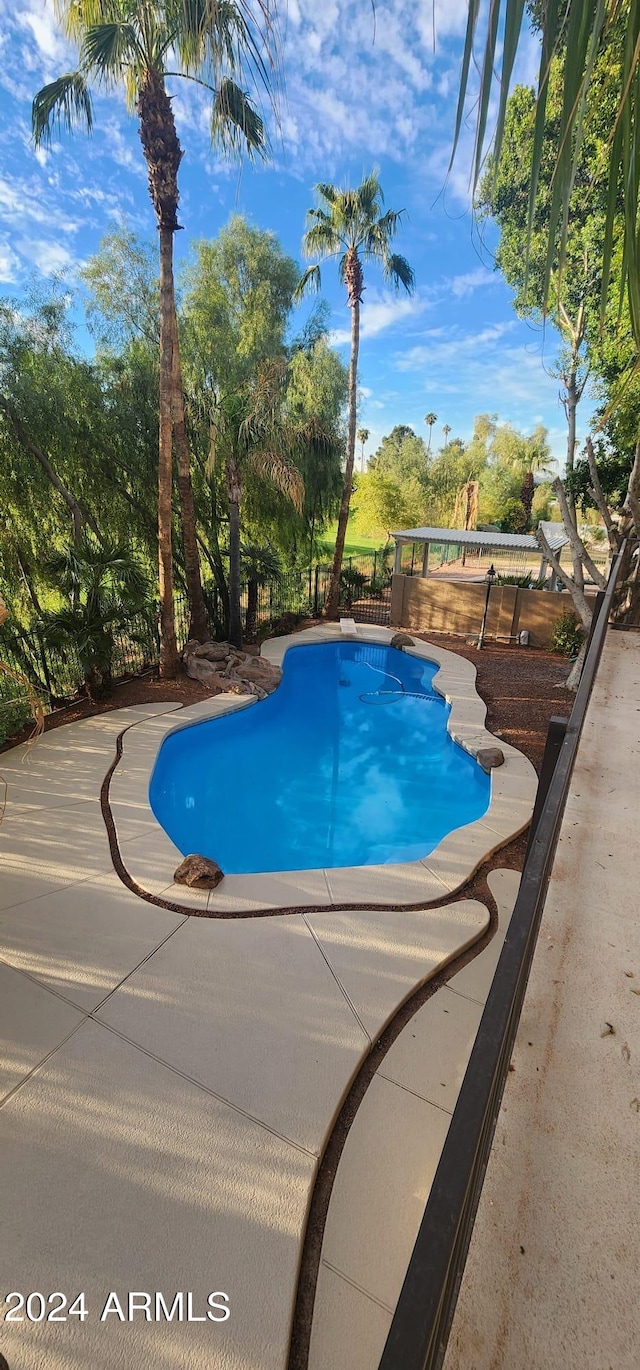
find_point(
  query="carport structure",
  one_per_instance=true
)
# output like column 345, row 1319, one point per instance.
column 483, row 541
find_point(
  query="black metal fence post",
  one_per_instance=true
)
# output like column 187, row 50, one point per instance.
column 315, row 591
column 552, row 748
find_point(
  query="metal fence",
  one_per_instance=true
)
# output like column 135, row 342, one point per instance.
column 475, row 561
column 419, row 1332
column 56, row 674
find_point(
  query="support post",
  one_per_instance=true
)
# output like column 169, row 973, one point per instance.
column 552, row 748
column 397, row 560
column 425, row 561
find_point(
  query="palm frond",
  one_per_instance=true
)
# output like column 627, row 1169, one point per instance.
column 397, row 271
column 236, row 37
column 387, row 226
column 64, row 102
column 327, row 192
column 282, row 473
column 309, row 282
column 370, row 195
column 107, row 49
column 317, row 215
column 321, row 240
column 574, row 32
column 235, row 123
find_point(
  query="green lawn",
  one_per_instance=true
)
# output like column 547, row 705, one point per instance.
column 356, row 545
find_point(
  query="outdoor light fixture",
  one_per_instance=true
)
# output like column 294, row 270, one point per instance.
column 491, row 576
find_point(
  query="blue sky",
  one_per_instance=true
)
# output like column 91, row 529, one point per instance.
column 455, row 347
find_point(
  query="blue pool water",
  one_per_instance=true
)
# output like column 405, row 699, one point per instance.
column 348, row 763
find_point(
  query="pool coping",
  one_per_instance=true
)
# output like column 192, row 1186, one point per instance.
column 149, row 857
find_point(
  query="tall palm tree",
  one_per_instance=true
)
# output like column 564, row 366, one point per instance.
column 349, row 225
column 138, row 44
column 532, row 458
column 363, row 438
column 446, row 428
column 430, row 419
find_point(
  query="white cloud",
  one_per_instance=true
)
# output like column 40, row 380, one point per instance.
column 449, row 347
column 22, row 200
column 39, row 20
column 472, row 280
column 48, row 256
column 382, row 310
column 9, row 263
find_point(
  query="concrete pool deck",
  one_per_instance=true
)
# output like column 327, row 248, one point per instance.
column 168, row 1084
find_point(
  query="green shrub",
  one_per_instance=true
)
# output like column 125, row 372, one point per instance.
column 568, row 634
column 14, row 714
column 525, row 582
column 352, row 583
column 522, row 582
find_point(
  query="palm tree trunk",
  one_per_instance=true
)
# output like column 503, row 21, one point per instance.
column 168, row 646
column 163, row 155
column 235, row 615
column 251, row 617
column 198, row 618
column 331, row 607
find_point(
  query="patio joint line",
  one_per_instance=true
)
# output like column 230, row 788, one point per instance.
column 354, row 1285
column 338, row 980
column 175, row 1070
column 137, row 966
column 416, row 1094
column 19, row 970
column 44, row 1060
column 57, row 889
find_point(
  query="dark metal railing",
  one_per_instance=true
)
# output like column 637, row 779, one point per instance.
column 421, row 1324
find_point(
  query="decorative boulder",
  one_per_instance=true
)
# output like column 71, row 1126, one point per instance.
column 401, row 640
column 199, row 873
column 212, row 651
column 200, row 669
column 489, row 758
column 220, row 666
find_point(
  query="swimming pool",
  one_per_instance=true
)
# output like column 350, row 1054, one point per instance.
column 348, row 763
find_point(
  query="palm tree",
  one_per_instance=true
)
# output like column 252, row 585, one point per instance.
column 430, row 419
column 446, row 428
column 138, row 44
column 260, row 566
column 103, row 589
column 363, row 437
column 350, row 226
column 251, row 432
column 532, row 458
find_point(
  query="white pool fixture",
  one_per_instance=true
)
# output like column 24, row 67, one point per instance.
column 348, row 627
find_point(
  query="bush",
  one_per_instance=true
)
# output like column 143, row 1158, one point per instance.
column 514, row 517
column 352, row 583
column 14, row 715
column 568, row 635
column 525, row 582
column 522, row 582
